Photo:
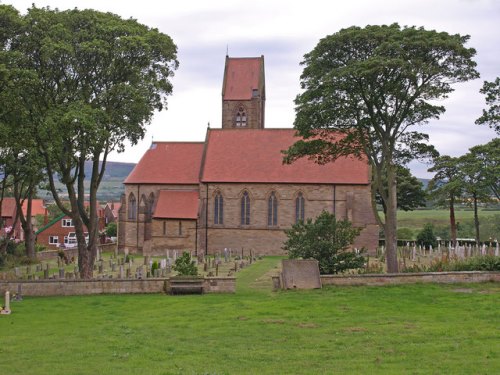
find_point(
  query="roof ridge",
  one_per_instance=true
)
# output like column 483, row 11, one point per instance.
column 50, row 223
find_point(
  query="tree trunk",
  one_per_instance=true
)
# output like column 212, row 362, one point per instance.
column 390, row 227
column 476, row 218
column 453, row 223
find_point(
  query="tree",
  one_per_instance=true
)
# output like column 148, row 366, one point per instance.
column 491, row 116
column 97, row 81
column 326, row 240
column 410, row 194
column 20, row 161
column 446, row 187
column 426, row 236
column 475, row 182
column 371, row 85
column 488, row 156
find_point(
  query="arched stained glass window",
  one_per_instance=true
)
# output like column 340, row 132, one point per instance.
column 218, row 209
column 272, row 210
column 245, row 209
column 299, row 208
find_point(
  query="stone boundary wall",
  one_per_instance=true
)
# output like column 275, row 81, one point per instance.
column 411, row 278
column 72, row 252
column 44, row 288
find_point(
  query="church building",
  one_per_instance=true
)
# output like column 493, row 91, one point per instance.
column 233, row 190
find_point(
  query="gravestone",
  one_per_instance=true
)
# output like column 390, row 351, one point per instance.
column 6, row 309
column 300, row 274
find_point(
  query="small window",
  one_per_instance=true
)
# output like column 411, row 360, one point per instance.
column 255, row 93
column 54, row 240
column 272, row 210
column 132, row 207
column 245, row 209
column 241, row 118
column 218, row 209
column 67, row 223
column 180, row 228
column 299, row 208
column 164, row 228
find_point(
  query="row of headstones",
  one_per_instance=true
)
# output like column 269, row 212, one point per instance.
column 413, row 251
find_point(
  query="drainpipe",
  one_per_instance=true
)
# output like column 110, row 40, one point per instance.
column 206, row 224
column 138, row 202
column 334, row 199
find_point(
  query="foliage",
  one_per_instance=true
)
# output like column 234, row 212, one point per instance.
column 410, row 194
column 111, row 229
column 426, row 236
column 405, row 234
column 154, row 267
column 371, row 85
column 327, row 240
column 477, row 263
column 184, row 266
column 95, row 80
column 491, row 117
column 488, row 156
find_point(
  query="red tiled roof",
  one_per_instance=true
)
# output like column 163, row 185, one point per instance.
column 37, row 207
column 254, row 155
column 8, row 207
column 176, row 204
column 168, row 163
column 241, row 77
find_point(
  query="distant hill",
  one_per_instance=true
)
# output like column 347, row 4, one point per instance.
column 111, row 187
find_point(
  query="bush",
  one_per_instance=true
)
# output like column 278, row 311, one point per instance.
column 405, row 234
column 111, row 230
column 326, row 240
column 184, row 266
column 426, row 236
column 154, row 267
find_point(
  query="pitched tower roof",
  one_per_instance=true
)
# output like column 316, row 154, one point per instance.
column 242, row 76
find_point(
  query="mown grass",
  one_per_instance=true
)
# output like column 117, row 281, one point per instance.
column 411, row 329
column 416, row 219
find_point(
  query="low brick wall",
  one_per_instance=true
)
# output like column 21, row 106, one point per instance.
column 411, row 278
column 41, row 288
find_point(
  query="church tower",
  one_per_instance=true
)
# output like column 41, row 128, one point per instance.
column 243, row 93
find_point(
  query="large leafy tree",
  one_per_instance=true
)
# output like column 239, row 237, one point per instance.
column 488, row 156
column 446, row 187
column 491, row 116
column 372, row 85
column 97, row 81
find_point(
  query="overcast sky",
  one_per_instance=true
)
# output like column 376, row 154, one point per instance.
column 283, row 31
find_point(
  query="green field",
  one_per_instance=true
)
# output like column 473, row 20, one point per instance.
column 412, row 329
column 417, row 218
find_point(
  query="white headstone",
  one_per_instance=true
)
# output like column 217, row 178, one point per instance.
column 6, row 309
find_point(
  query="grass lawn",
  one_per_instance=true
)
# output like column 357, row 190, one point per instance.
column 412, row 329
column 416, row 219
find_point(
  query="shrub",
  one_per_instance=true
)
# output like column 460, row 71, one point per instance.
column 111, row 230
column 426, row 236
column 326, row 240
column 405, row 234
column 184, row 266
column 154, row 267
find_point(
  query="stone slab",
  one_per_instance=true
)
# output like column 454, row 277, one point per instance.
column 300, row 274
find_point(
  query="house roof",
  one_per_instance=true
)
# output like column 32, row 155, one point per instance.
column 37, row 207
column 168, row 163
column 241, row 76
column 254, row 155
column 177, row 204
column 8, row 207
column 50, row 223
